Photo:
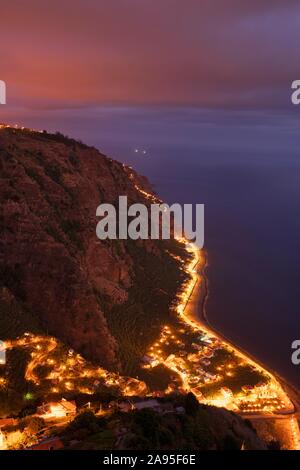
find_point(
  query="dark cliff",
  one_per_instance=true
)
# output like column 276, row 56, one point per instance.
column 56, row 275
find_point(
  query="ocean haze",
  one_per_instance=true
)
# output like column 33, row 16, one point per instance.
column 244, row 166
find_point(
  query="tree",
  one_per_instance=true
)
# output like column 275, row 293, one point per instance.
column 34, row 424
column 274, row 445
column 191, row 404
column 231, row 443
column 86, row 420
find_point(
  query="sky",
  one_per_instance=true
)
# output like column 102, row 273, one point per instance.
column 209, row 53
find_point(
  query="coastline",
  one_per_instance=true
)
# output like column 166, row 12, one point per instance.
column 202, row 318
column 196, row 301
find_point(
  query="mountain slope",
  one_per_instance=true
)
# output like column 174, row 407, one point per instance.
column 56, row 276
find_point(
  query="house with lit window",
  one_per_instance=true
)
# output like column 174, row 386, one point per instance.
column 57, row 409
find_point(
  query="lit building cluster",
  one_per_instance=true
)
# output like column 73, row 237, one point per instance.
column 196, row 369
column 187, row 348
column 294, row 428
column 67, row 371
column 17, row 127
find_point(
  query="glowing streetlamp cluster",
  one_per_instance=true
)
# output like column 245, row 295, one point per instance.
column 187, row 349
column 68, row 371
column 150, row 196
column 267, row 397
column 295, row 433
column 17, row 127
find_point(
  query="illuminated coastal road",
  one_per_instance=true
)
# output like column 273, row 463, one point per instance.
column 193, row 313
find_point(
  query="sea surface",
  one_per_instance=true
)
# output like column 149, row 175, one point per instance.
column 245, row 167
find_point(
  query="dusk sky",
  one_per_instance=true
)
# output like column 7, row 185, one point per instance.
column 223, row 53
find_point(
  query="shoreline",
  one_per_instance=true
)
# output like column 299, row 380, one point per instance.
column 200, row 316
column 197, row 298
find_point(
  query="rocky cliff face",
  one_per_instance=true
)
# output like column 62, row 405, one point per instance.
column 54, row 270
